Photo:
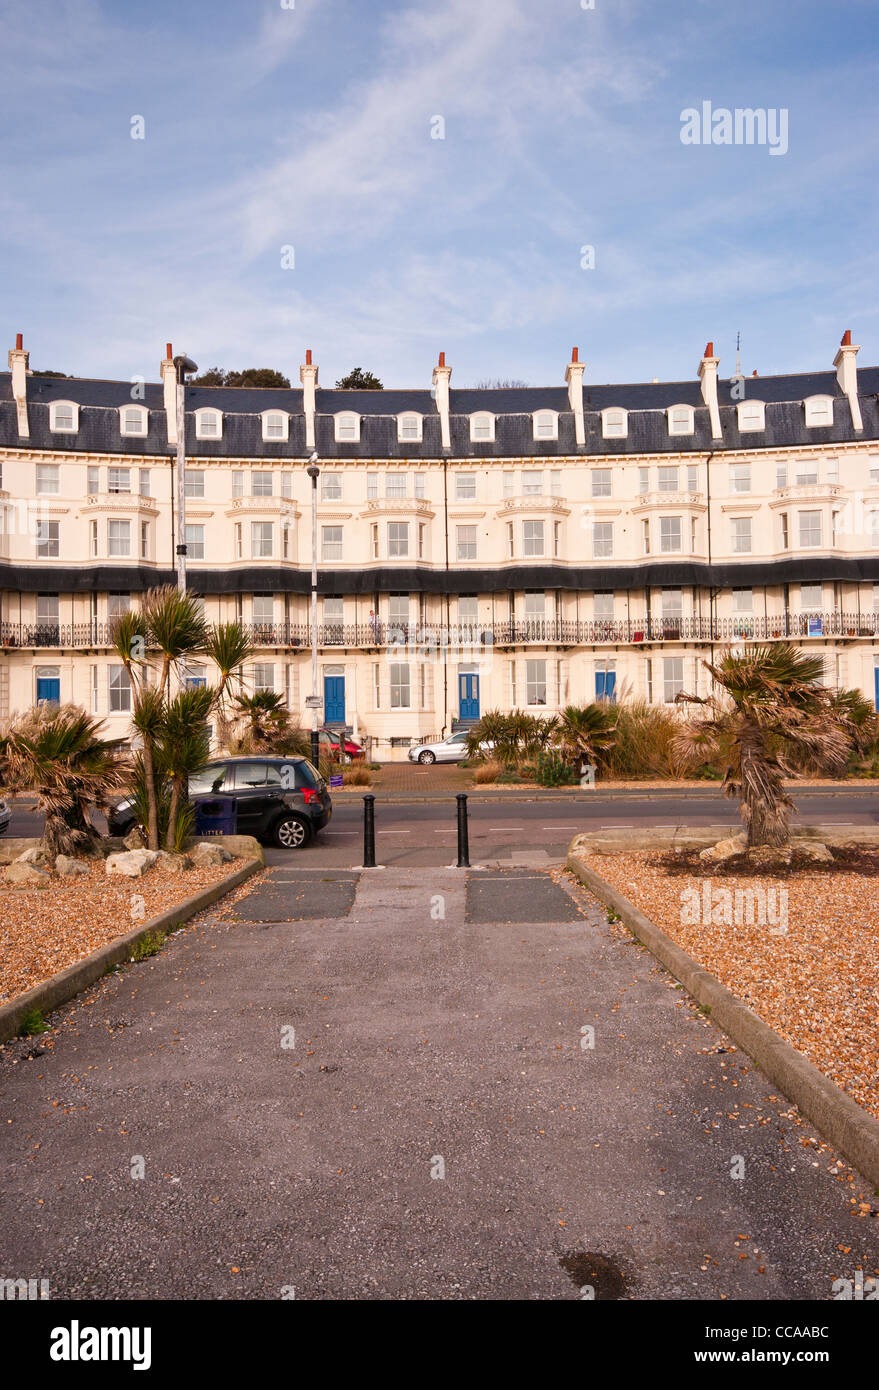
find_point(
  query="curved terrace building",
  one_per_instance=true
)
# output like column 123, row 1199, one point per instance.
column 477, row 549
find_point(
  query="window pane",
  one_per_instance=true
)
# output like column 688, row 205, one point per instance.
column 261, row 484
column 601, row 482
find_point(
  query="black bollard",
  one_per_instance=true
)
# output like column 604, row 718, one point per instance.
column 369, row 831
column 463, row 840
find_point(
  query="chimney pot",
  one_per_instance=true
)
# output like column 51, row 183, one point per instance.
column 442, row 359
column 308, row 357
column 169, row 351
column 709, row 349
column 575, row 354
column 754, row 372
column 846, row 340
column 19, row 342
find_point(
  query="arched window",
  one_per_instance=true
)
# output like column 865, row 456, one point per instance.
column 614, row 423
column 347, row 427
column 409, row 427
column 133, row 420
column 752, row 416
column 546, row 424
column 680, row 419
column 208, row 424
column 482, row 426
column 819, row 411
column 275, row 425
column 64, row 417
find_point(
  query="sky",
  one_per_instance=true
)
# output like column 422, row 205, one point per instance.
column 380, row 180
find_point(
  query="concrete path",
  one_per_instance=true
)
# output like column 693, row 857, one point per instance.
column 376, row 1086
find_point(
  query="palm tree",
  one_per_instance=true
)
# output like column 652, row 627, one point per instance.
column 265, row 716
column 768, row 713
column 58, row 752
column 228, row 647
column 176, row 625
column 586, row 732
column 184, row 749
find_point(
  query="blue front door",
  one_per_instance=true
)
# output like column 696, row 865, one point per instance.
column 334, row 699
column 605, row 685
column 876, row 686
column 48, row 690
column 468, row 696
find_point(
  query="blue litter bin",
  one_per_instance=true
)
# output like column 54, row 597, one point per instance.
column 216, row 816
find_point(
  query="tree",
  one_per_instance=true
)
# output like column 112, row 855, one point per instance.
column 768, row 715
column 63, row 375
column 497, row 383
column 267, row 726
column 250, row 376
column 168, row 630
column 587, row 732
column 359, row 380
column 57, row 751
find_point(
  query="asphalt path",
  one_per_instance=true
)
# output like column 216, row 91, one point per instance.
column 424, row 834
column 408, row 1085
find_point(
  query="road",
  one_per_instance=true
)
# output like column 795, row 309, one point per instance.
column 410, row 1084
column 423, row 834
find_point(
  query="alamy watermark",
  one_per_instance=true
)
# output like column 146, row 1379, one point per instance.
column 707, row 906
column 743, row 126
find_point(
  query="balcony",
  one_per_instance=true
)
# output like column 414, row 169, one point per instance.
column 522, row 632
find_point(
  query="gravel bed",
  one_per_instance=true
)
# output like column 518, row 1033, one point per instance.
column 815, row 983
column 48, row 929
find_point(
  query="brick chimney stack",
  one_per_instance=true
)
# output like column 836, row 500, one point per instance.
column 846, row 365
column 308, row 377
column 18, row 365
column 708, row 381
column 441, row 377
column 574, row 378
column 169, row 393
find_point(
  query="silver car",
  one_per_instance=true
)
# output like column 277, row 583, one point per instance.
column 5, row 816
column 449, row 750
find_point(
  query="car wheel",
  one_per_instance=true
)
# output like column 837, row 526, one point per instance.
column 291, row 833
column 427, row 757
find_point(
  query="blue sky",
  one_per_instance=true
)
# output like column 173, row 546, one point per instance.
column 268, row 127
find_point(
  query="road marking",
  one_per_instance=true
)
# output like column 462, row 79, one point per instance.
column 393, row 832
column 560, row 827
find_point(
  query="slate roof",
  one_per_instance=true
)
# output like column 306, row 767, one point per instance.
column 646, row 402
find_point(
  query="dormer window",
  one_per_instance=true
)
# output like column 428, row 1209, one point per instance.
column 208, row 424
column 133, row 420
column 482, row 427
column 546, row 424
column 409, row 428
column 64, row 417
column 680, row 419
column 819, row 411
column 275, row 425
column 752, row 416
column 347, row 427
column 614, row 424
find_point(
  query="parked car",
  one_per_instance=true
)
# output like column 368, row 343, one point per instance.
column 283, row 800
column 329, row 744
column 449, row 750
column 5, row 816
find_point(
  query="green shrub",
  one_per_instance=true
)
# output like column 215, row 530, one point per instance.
column 150, row 945
column 32, row 1023
column 554, row 771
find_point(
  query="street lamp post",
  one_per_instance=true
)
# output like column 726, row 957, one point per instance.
column 184, row 366
column 314, row 474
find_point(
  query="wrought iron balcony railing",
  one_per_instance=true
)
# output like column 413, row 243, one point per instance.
column 538, row 632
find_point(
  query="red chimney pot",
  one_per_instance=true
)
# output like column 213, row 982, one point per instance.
column 754, row 372
column 709, row 349
column 575, row 354
column 308, row 357
column 19, row 342
column 442, row 359
column 169, row 352
column 846, row 338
